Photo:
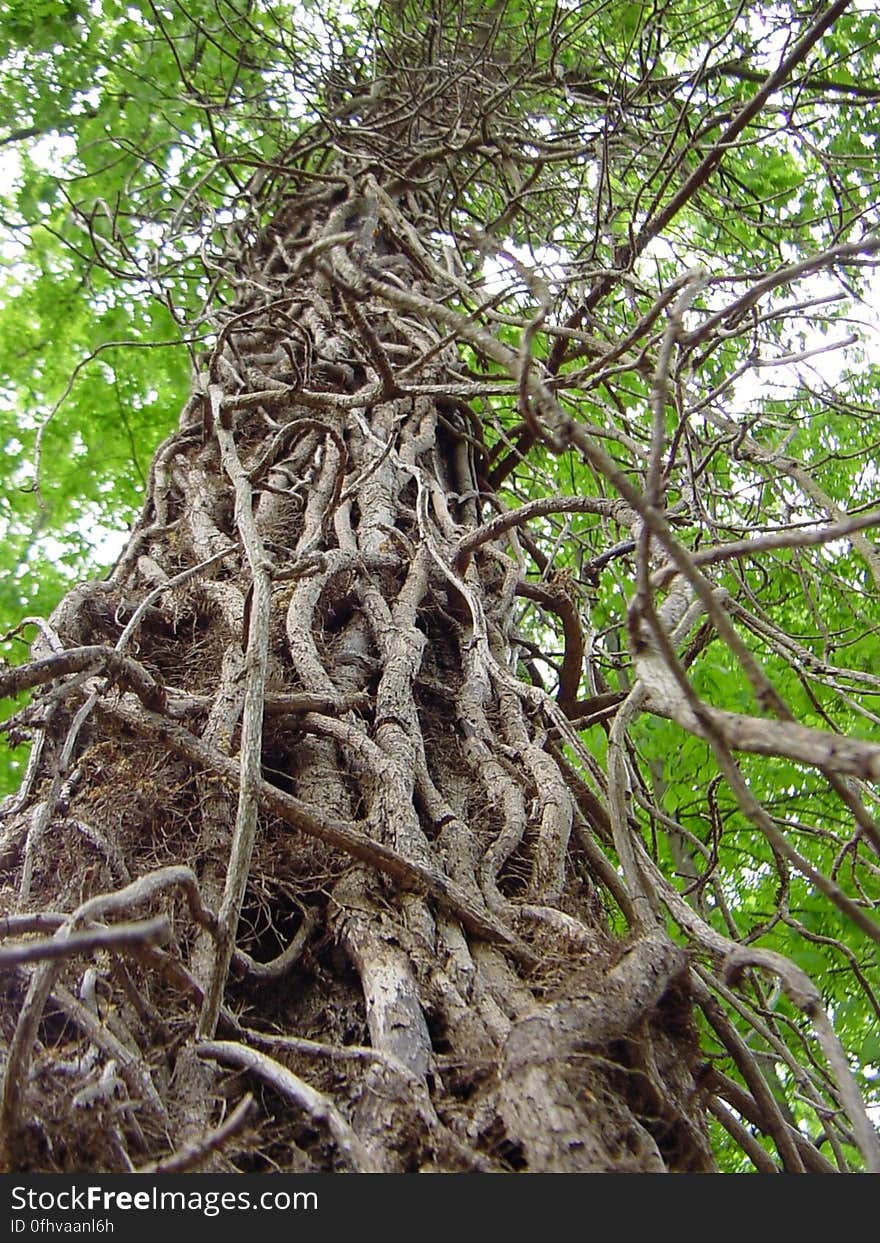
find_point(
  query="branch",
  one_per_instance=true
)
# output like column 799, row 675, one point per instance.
column 43, row 979
column 742, row 1136
column 318, row 1106
column 617, row 510
column 251, row 747
column 765, row 1111
column 743, row 118
column 731, row 69
column 701, row 174
column 803, row 992
column 123, row 669
column 192, row 1154
column 745, row 1105
column 147, row 932
column 791, row 538
column 554, row 596
column 670, row 694
column 783, row 276
column 289, row 956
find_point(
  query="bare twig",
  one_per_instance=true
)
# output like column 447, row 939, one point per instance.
column 803, row 992
column 121, row 936
column 192, row 1155
column 318, row 1106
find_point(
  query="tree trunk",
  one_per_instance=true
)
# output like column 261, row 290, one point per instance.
column 315, row 754
column 315, row 867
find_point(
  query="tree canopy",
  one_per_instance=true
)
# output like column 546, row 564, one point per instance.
column 654, row 231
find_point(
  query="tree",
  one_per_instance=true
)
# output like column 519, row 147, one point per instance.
column 466, row 765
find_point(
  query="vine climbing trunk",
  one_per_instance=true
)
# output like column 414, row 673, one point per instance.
column 297, row 728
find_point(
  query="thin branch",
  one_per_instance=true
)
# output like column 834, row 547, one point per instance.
column 318, row 1106
column 123, row 669
column 251, row 750
column 121, row 936
column 743, row 118
column 537, row 509
column 192, row 1155
column 803, row 992
column 42, row 981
